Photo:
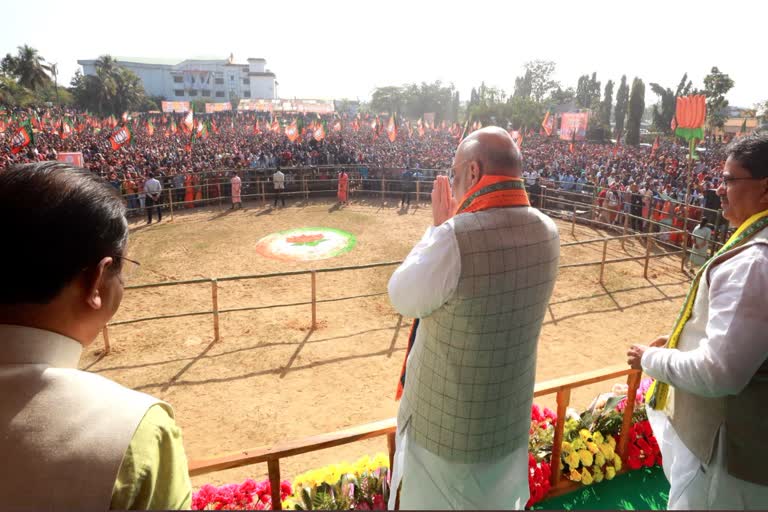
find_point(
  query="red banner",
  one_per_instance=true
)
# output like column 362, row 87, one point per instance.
column 573, row 126
column 75, row 159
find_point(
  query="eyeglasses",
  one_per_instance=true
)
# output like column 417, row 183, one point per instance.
column 728, row 179
column 127, row 272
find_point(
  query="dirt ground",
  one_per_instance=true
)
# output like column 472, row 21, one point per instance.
column 271, row 379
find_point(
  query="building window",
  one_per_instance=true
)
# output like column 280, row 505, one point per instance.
column 231, row 78
column 246, row 94
column 219, row 81
column 192, row 92
column 206, row 93
column 178, row 79
column 179, row 92
column 246, row 81
column 219, row 94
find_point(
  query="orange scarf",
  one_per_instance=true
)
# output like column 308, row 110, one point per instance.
column 493, row 191
column 490, row 192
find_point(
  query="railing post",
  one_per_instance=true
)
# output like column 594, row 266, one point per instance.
column 602, row 263
column 215, row 300
column 263, row 194
column 273, row 466
column 716, row 233
column 685, row 239
column 626, row 224
column 314, row 299
column 383, row 185
column 647, row 254
column 563, row 399
column 418, row 191
column 170, row 201
column 573, row 221
column 633, row 382
column 105, row 335
column 391, row 445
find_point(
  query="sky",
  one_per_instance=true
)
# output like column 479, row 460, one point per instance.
column 345, row 49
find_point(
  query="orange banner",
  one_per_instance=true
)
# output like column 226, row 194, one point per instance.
column 224, row 106
column 176, row 106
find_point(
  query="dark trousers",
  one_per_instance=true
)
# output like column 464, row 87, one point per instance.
column 179, row 195
column 279, row 195
column 406, row 199
column 156, row 204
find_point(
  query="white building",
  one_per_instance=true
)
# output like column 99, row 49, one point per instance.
column 208, row 79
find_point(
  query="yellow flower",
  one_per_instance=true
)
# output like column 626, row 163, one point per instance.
column 599, row 459
column 585, row 435
column 381, row 460
column 586, row 477
column 592, row 447
column 586, row 457
column 617, row 462
column 607, row 451
column 567, row 448
column 612, row 442
column 597, row 437
column 597, row 474
column 573, row 460
column 610, row 472
column 575, row 476
column 577, row 444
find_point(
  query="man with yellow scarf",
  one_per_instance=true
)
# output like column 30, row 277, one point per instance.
column 707, row 406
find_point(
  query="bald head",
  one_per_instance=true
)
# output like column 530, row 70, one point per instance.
column 488, row 151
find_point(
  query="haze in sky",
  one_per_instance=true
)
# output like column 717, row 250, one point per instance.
column 345, row 49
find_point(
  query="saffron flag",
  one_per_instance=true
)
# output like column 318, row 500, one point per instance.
column 337, row 125
column 22, row 138
column 120, row 137
column 655, row 146
column 392, row 129
column 319, row 132
column 150, row 128
column 189, row 121
column 548, row 124
column 65, row 129
column 292, row 132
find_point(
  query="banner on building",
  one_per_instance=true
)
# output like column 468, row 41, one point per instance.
column 292, row 106
column 75, row 159
column 573, row 126
column 223, row 106
column 176, row 106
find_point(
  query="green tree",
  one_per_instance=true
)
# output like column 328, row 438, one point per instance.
column 636, row 109
column 716, row 86
column 541, row 78
column 620, row 112
column 112, row 90
column 28, row 67
column 387, row 99
column 606, row 106
column 560, row 96
column 524, row 85
column 664, row 111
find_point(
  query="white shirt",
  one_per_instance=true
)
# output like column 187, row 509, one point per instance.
column 278, row 179
column 736, row 345
column 152, row 187
column 427, row 278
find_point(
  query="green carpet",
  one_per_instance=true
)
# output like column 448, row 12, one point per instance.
column 644, row 489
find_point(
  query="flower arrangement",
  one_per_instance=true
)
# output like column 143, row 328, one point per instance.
column 249, row 495
column 588, row 455
column 360, row 486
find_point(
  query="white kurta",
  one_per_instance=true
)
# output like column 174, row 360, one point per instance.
column 736, row 345
column 424, row 282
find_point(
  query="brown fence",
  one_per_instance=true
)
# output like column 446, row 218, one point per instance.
column 561, row 387
column 313, row 301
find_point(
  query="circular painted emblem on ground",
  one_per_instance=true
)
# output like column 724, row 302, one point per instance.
column 306, row 244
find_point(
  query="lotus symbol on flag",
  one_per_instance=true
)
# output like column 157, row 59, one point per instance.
column 121, row 136
column 690, row 113
column 18, row 139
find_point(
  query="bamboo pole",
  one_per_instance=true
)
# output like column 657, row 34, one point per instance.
column 418, row 191
column 314, row 300
column 602, row 263
column 105, row 335
column 573, row 221
column 263, row 195
column 170, row 201
column 563, row 399
column 215, row 301
column 648, row 242
column 383, row 186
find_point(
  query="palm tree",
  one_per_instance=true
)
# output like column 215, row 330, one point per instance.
column 30, row 68
column 107, row 73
